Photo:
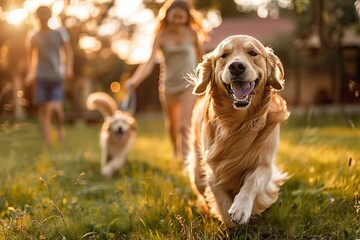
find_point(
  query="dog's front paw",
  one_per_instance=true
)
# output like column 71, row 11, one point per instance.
column 240, row 211
column 107, row 171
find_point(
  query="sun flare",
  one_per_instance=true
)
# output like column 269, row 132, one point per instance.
column 16, row 16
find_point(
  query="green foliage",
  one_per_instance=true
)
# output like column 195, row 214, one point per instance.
column 57, row 192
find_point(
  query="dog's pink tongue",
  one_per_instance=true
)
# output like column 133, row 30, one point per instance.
column 241, row 89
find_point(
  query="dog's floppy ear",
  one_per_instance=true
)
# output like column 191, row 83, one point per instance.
column 108, row 119
column 134, row 124
column 203, row 74
column 275, row 70
column 131, row 120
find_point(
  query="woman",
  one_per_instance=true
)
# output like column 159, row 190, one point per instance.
column 178, row 37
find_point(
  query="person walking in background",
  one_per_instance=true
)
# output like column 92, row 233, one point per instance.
column 178, row 36
column 47, row 73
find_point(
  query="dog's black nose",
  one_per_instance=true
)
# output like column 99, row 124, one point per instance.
column 120, row 130
column 237, row 68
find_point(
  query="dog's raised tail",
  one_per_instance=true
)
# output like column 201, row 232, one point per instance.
column 101, row 102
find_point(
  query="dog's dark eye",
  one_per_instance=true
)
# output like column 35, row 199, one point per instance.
column 224, row 55
column 253, row 53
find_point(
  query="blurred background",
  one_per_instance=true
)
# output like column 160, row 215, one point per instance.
column 317, row 41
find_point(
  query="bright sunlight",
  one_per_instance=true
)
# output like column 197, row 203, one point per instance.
column 133, row 44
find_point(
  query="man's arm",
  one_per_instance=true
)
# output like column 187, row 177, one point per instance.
column 69, row 60
column 31, row 60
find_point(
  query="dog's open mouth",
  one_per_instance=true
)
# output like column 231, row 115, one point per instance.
column 241, row 92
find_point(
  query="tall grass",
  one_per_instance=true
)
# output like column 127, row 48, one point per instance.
column 57, row 192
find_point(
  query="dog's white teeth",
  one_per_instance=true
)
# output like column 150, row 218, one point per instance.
column 245, row 98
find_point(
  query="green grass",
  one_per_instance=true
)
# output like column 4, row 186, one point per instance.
column 58, row 193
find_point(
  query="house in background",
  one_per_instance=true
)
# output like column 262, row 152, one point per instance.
column 262, row 29
column 333, row 78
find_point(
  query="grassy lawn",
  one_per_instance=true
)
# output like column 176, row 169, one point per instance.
column 58, row 193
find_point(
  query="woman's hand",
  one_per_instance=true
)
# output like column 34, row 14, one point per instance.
column 130, row 85
column 30, row 78
column 69, row 73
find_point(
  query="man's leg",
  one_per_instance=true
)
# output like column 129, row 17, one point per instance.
column 45, row 121
column 59, row 118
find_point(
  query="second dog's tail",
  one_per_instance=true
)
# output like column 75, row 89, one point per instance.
column 102, row 102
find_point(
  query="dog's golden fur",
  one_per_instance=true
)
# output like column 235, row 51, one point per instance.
column 235, row 138
column 117, row 134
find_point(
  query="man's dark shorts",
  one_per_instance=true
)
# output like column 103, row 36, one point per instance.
column 48, row 90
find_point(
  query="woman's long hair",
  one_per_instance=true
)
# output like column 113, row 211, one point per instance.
column 194, row 21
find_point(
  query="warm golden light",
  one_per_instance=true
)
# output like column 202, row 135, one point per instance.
column 20, row 93
column 46, row 2
column 89, row 44
column 125, row 8
column 261, row 7
column 123, row 13
column 16, row 16
column 121, row 48
column 57, row 7
column 214, row 18
column 262, row 12
column 115, row 87
column 31, row 5
column 108, row 28
column 54, row 22
column 80, row 11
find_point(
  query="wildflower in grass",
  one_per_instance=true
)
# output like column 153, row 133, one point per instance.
column 43, row 181
column 79, row 178
column 57, row 210
column 357, row 203
column 182, row 223
column 331, row 199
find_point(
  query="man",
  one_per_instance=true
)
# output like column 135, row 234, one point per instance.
column 47, row 72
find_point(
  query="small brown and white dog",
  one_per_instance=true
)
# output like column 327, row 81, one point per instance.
column 235, row 130
column 117, row 134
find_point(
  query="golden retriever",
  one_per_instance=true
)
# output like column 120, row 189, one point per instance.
column 235, row 129
column 117, row 134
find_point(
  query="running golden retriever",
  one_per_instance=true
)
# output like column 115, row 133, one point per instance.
column 235, row 130
column 117, row 134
